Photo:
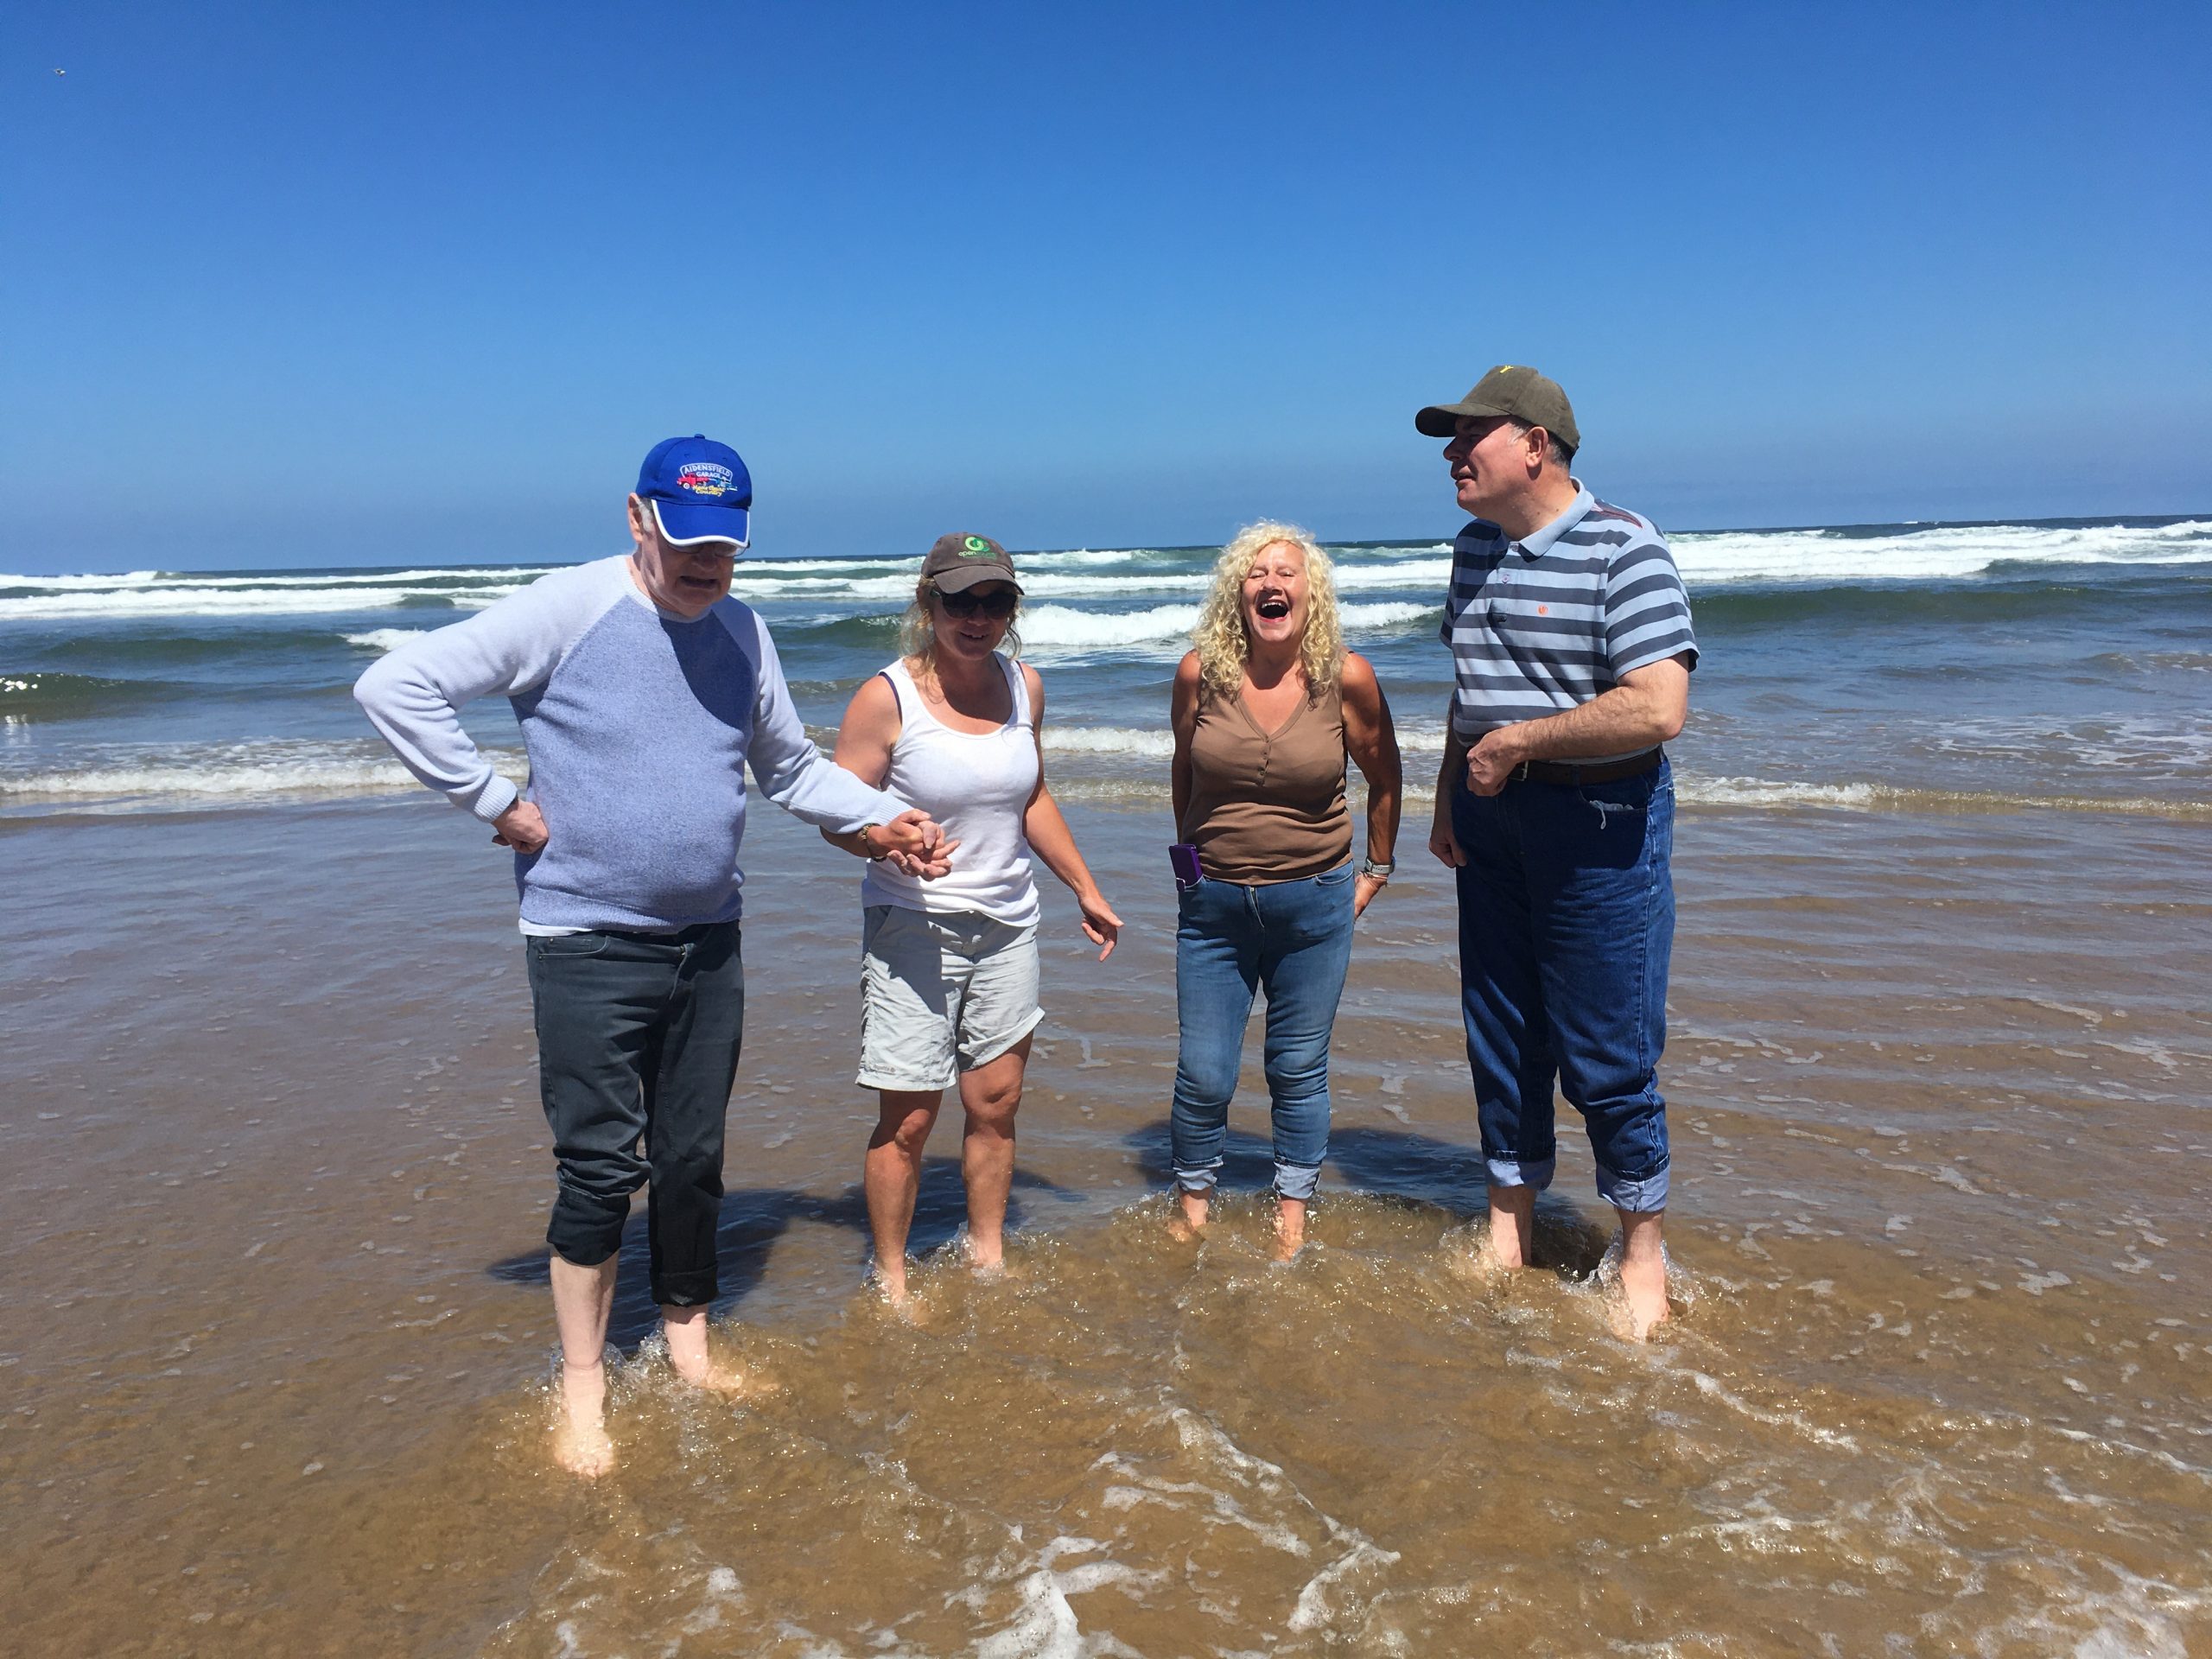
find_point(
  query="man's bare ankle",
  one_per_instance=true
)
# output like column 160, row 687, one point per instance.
column 588, row 1378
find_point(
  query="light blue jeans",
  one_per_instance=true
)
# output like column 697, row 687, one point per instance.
column 1294, row 938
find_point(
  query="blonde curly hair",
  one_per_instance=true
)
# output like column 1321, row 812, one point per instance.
column 1222, row 642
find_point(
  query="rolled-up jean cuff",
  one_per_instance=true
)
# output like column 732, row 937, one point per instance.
column 1198, row 1180
column 1297, row 1180
column 1535, row 1172
column 1638, row 1197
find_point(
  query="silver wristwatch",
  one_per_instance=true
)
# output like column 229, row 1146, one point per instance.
column 1375, row 872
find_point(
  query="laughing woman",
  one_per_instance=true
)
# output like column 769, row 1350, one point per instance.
column 950, row 964
column 1266, row 711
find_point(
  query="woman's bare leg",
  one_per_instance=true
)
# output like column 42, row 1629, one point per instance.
column 891, row 1176
column 990, row 1095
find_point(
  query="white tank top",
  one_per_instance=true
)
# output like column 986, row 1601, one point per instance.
column 977, row 784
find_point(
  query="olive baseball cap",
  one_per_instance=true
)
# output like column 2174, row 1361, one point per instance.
column 957, row 562
column 1512, row 390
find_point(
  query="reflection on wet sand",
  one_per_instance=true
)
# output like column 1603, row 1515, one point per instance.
column 278, row 1361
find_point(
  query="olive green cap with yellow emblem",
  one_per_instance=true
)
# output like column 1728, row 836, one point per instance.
column 1511, row 389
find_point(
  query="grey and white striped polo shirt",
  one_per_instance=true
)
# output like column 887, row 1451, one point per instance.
column 1546, row 624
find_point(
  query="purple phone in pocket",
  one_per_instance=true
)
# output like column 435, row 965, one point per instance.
column 1183, row 859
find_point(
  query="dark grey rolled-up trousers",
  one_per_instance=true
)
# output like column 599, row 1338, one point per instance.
column 638, row 1041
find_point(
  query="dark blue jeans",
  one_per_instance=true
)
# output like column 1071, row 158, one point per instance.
column 1294, row 938
column 638, row 1038
column 1567, row 920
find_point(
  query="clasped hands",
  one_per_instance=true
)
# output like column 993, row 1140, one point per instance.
column 912, row 843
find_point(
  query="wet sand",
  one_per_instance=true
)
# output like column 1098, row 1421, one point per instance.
column 273, row 1367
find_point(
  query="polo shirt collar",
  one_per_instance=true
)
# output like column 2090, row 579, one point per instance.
column 1539, row 541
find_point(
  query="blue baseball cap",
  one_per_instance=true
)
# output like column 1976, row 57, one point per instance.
column 699, row 490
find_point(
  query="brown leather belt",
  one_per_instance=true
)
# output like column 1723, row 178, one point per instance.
column 1605, row 771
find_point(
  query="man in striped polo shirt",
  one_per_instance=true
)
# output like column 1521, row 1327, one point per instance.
column 1572, row 650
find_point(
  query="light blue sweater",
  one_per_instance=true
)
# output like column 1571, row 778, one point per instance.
column 639, row 726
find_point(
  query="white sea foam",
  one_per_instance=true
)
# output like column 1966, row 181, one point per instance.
column 1421, row 736
column 140, row 777
column 1057, row 624
column 127, row 579
column 2176, row 741
column 1084, row 555
column 1157, row 741
column 1428, row 576
column 1935, row 554
column 1108, row 740
column 1358, row 616
column 225, row 773
column 876, row 587
column 1063, row 627
column 131, row 579
column 382, row 640
column 1881, row 797
column 204, row 599
column 1088, row 576
column 1044, row 1626
column 1767, row 791
column 1707, row 561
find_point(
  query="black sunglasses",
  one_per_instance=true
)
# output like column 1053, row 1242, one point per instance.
column 997, row 605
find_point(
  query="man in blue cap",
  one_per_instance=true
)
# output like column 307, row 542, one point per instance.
column 644, row 691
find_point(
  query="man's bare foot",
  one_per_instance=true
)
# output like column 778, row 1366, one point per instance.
column 580, row 1441
column 996, row 1270
column 1512, row 1234
column 1625, row 1321
column 1642, row 1276
column 723, row 1377
column 1290, row 1228
column 987, row 1257
column 685, row 1329
column 583, row 1448
column 1643, row 1300
column 896, row 1297
column 1188, row 1224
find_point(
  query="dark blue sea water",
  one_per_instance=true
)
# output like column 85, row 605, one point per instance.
column 2067, row 664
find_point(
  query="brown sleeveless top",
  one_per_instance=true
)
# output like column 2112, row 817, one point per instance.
column 1267, row 806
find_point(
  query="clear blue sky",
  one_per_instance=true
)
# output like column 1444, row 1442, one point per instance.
column 297, row 284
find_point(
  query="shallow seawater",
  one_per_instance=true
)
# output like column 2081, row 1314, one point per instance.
column 277, row 1350
column 1128, row 1447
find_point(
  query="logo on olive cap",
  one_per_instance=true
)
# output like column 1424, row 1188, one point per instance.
column 959, row 560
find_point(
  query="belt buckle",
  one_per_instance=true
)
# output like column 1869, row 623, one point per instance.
column 1519, row 774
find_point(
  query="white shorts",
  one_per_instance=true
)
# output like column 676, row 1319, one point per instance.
column 941, row 994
